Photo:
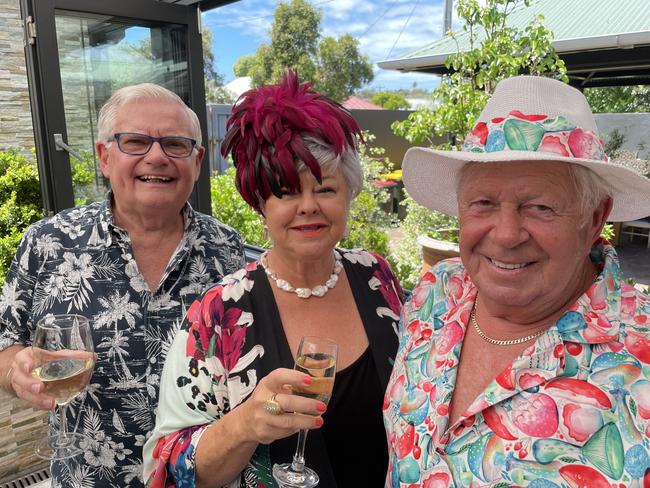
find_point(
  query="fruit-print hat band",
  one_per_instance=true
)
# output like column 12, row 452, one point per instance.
column 534, row 119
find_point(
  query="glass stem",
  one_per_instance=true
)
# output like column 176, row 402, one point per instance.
column 298, row 464
column 61, row 439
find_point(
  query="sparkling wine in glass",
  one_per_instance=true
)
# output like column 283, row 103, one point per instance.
column 317, row 357
column 64, row 362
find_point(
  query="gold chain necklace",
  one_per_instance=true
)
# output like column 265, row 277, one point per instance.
column 500, row 342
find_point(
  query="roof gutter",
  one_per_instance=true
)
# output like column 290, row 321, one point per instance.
column 615, row 41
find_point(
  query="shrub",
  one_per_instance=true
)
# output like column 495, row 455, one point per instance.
column 21, row 202
column 368, row 223
column 419, row 221
column 229, row 207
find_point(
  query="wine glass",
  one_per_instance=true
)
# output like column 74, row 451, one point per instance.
column 317, row 357
column 64, row 362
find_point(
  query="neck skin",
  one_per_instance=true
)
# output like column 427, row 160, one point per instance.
column 148, row 223
column 301, row 274
column 512, row 323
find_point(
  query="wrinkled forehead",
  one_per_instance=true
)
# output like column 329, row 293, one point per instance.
column 476, row 176
column 150, row 115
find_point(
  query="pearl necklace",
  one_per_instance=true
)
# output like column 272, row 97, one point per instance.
column 317, row 291
column 500, row 342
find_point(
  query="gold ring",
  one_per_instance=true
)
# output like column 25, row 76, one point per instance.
column 272, row 406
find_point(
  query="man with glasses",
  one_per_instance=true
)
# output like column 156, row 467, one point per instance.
column 133, row 265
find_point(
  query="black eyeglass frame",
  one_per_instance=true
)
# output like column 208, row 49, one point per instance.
column 152, row 139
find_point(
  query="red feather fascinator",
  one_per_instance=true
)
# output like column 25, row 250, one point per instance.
column 265, row 136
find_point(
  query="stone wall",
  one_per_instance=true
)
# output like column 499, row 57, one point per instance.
column 15, row 116
column 20, row 426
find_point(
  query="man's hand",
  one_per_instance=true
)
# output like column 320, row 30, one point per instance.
column 20, row 381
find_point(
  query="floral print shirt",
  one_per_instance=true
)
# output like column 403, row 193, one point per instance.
column 80, row 262
column 229, row 340
column 573, row 410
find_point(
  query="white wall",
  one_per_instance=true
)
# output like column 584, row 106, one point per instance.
column 635, row 127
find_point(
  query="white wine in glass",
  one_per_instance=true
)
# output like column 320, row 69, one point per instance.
column 64, row 362
column 317, row 357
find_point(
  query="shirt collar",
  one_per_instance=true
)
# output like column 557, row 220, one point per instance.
column 595, row 317
column 109, row 229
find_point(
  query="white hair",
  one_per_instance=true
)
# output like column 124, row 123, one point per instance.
column 142, row 91
column 348, row 161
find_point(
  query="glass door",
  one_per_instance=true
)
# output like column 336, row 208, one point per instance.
column 80, row 55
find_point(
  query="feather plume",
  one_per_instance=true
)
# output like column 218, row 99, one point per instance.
column 266, row 136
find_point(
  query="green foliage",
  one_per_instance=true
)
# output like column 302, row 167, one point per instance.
column 368, row 223
column 335, row 66
column 614, row 142
column 229, row 207
column 390, row 100
column 87, row 180
column 413, row 92
column 419, row 221
column 495, row 51
column 607, row 232
column 619, row 99
column 21, row 202
column 244, row 65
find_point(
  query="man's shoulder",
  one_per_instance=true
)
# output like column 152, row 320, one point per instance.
column 212, row 225
column 77, row 216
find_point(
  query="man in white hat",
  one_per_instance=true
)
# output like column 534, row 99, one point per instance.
column 526, row 361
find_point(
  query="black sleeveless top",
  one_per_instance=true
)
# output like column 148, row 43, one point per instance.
column 354, row 430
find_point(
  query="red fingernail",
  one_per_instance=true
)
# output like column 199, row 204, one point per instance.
column 307, row 380
column 318, row 422
column 321, row 407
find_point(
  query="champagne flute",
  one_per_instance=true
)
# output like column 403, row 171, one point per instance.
column 317, row 357
column 64, row 362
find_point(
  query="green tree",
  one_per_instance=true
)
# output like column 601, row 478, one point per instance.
column 335, row 66
column 619, row 99
column 244, row 65
column 390, row 100
column 495, row 51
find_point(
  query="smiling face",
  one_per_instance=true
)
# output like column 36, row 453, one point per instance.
column 306, row 225
column 153, row 182
column 523, row 239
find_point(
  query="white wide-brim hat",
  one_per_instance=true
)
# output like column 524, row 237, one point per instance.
column 528, row 118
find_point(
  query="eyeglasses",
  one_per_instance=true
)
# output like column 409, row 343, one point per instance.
column 136, row 144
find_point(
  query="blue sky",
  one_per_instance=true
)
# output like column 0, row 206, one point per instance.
column 385, row 29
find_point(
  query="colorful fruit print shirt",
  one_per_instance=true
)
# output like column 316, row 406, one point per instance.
column 230, row 339
column 573, row 410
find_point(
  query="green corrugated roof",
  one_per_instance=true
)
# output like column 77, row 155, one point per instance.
column 567, row 19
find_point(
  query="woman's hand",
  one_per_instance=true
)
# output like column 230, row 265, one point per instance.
column 24, row 385
column 259, row 425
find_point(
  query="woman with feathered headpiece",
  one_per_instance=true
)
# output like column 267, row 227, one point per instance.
column 227, row 413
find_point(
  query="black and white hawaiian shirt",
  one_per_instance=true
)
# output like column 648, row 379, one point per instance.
column 80, row 262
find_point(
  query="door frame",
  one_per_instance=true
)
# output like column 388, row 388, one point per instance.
column 46, row 92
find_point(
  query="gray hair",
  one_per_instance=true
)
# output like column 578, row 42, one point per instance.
column 348, row 161
column 590, row 188
column 142, row 91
